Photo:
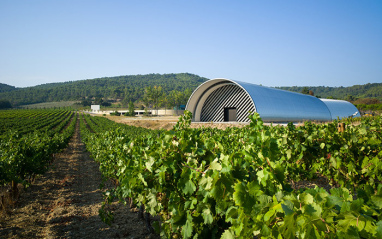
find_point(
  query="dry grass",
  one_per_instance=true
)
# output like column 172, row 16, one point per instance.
column 165, row 122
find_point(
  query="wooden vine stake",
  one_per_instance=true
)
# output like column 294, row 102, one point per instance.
column 2, row 203
column 14, row 191
column 341, row 127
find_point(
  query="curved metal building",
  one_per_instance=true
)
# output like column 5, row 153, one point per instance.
column 221, row 100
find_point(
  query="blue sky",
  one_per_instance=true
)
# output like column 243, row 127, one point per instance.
column 273, row 43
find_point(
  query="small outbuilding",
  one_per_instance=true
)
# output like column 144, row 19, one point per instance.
column 95, row 108
column 224, row 100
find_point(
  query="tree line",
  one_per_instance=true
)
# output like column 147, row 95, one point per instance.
column 174, row 89
column 122, row 88
column 155, row 97
column 351, row 93
column 363, row 104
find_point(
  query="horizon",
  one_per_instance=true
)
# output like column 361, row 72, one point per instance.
column 274, row 44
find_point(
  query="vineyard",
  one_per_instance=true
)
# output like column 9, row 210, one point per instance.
column 236, row 183
column 29, row 138
column 212, row 183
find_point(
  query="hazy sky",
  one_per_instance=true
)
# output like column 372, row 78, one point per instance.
column 273, row 43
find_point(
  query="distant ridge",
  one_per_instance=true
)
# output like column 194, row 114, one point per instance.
column 131, row 87
column 6, row 88
column 370, row 90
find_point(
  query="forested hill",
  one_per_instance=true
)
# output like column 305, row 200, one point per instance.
column 126, row 88
column 348, row 93
column 132, row 87
column 6, row 88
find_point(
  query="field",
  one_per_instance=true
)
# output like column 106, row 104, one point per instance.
column 239, row 182
column 63, row 200
column 47, row 105
column 166, row 122
column 257, row 181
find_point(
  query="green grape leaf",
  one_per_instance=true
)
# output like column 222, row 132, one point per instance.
column 268, row 215
column 351, row 233
column 345, row 207
column 189, row 187
column 279, row 172
column 239, row 194
column 365, row 165
column 152, row 203
column 262, row 177
column 366, row 225
column 190, row 204
column 379, row 190
column 346, row 220
column 207, row 216
column 306, row 198
column 289, row 154
column 311, row 232
column 149, row 163
column 313, row 210
column 254, row 189
column 206, row 182
column 187, row 228
column 179, row 217
column 356, row 205
column 287, row 206
column 221, row 187
column 379, row 229
column 288, row 229
column 265, row 230
column 215, row 165
column 232, row 214
column 227, row 234
column 142, row 179
column 377, row 200
column 279, row 195
column 334, row 201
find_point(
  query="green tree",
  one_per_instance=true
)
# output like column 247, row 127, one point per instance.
column 154, row 95
column 165, row 101
column 175, row 99
column 98, row 100
column 131, row 108
column 5, row 104
column 305, row 90
column 86, row 102
column 186, row 95
column 126, row 100
column 350, row 98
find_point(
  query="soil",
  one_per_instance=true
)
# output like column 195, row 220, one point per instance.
column 162, row 122
column 167, row 122
column 64, row 203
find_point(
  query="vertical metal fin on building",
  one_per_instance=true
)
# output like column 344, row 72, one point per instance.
column 227, row 96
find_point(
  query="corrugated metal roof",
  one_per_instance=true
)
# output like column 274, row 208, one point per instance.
column 273, row 105
column 341, row 108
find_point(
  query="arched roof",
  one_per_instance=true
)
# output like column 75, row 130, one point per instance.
column 273, row 105
column 341, row 108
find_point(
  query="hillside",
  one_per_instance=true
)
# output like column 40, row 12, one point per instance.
column 129, row 87
column 6, row 88
column 357, row 91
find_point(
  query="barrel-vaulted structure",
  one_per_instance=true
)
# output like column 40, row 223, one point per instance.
column 220, row 100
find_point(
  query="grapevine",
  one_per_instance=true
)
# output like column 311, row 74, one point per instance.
column 234, row 183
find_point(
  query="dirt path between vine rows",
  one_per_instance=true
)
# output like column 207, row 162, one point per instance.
column 64, row 203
